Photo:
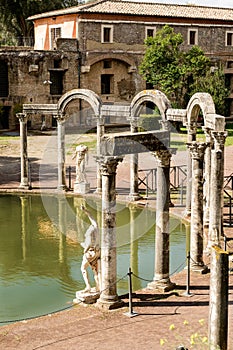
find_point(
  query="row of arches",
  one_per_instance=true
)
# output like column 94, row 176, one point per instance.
column 205, row 165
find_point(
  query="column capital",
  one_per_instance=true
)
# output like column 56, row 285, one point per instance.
column 108, row 165
column 22, row 117
column 219, row 138
column 191, row 129
column 61, row 118
column 208, row 134
column 166, row 125
column 163, row 157
column 197, row 150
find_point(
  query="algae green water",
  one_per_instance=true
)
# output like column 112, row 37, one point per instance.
column 40, row 251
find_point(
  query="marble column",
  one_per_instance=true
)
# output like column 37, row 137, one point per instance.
column 61, row 152
column 108, row 297
column 24, row 184
column 207, row 172
column 161, row 278
column 100, row 132
column 133, row 194
column 197, row 151
column 191, row 138
column 216, row 188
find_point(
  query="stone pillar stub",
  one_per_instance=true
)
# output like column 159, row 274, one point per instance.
column 161, row 280
column 197, row 151
column 108, row 297
column 216, row 188
column 24, row 184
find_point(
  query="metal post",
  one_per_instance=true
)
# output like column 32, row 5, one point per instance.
column 69, row 174
column 131, row 313
column 187, row 293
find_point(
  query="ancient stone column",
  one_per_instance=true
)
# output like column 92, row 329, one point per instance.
column 61, row 152
column 191, row 137
column 108, row 297
column 216, row 187
column 207, row 172
column 100, row 132
column 161, row 278
column 133, row 195
column 197, row 151
column 24, row 184
column 218, row 305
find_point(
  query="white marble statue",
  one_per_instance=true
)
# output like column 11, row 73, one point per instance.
column 81, row 155
column 91, row 256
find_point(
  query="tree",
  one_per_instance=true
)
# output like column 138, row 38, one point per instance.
column 177, row 73
column 14, row 13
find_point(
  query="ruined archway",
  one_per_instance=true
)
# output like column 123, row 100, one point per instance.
column 84, row 94
column 155, row 96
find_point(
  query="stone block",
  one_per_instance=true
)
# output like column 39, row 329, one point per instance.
column 81, row 187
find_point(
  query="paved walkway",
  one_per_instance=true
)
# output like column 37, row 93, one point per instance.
column 164, row 321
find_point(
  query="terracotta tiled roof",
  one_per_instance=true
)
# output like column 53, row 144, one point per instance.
column 145, row 8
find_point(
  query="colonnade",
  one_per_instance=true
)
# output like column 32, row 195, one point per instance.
column 205, row 165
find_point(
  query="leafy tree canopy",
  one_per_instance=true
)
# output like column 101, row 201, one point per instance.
column 180, row 74
column 14, row 13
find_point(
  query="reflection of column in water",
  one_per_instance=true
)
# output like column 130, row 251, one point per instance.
column 134, row 248
column 80, row 218
column 24, row 224
column 62, row 228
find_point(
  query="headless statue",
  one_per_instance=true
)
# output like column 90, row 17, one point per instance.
column 91, row 256
column 81, row 155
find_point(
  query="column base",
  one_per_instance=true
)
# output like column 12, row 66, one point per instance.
column 164, row 285
column 24, row 187
column 62, row 188
column 81, row 187
column 86, row 297
column 133, row 197
column 202, row 269
column 108, row 304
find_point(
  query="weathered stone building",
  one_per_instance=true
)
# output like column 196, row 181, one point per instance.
column 99, row 46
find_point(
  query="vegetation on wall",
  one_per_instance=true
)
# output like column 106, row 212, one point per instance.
column 178, row 73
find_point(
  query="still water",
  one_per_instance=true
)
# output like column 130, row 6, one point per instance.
column 40, row 251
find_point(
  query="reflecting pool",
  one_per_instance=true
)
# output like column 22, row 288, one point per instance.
column 40, row 251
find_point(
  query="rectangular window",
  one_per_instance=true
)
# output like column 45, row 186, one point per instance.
column 229, row 38
column 150, row 32
column 56, row 86
column 107, row 64
column 106, row 84
column 4, row 84
column 192, row 37
column 54, row 34
column 106, row 34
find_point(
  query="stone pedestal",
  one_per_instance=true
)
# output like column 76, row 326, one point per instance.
column 86, row 297
column 81, row 187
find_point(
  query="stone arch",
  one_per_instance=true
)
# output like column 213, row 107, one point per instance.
column 204, row 102
column 116, row 57
column 155, row 96
column 91, row 97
